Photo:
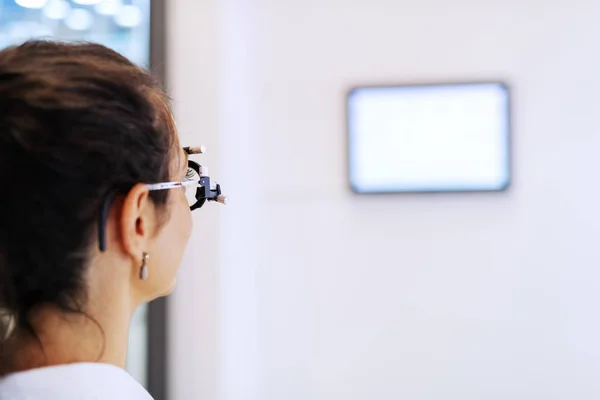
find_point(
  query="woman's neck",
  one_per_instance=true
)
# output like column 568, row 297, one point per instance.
column 68, row 337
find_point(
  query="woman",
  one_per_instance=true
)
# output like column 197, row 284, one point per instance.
column 88, row 229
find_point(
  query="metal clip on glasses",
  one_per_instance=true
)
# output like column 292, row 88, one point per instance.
column 205, row 191
column 196, row 177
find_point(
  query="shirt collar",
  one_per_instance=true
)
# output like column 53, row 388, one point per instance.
column 79, row 381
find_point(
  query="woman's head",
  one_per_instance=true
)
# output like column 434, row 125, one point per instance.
column 78, row 124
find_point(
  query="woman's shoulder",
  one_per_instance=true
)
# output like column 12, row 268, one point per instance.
column 82, row 381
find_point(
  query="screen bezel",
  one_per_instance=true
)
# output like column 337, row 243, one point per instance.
column 509, row 141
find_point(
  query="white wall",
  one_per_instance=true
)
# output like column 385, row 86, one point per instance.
column 193, row 318
column 310, row 292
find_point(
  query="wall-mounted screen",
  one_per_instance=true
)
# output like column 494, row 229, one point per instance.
column 429, row 138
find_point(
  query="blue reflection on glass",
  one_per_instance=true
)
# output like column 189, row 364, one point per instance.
column 123, row 25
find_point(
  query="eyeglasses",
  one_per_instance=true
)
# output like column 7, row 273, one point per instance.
column 196, row 183
column 197, row 186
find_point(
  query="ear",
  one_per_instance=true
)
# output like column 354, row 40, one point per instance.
column 138, row 221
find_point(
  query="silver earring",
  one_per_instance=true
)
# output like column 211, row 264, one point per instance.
column 144, row 267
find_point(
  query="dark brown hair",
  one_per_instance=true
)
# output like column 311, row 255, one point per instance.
column 77, row 122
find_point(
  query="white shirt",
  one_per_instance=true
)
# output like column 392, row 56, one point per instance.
column 78, row 381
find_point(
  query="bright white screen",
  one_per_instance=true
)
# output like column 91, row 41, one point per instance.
column 429, row 138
